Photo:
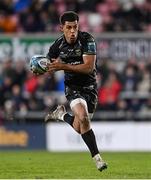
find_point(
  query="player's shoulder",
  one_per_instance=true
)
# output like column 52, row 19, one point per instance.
column 86, row 36
column 58, row 41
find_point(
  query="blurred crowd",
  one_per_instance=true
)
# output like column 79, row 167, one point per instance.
column 34, row 16
column 127, row 89
column 21, row 91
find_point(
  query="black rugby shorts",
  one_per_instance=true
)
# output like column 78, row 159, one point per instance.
column 89, row 94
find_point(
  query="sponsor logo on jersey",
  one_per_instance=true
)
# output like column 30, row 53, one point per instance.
column 78, row 52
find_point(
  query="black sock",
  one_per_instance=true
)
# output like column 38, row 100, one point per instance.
column 69, row 119
column 89, row 139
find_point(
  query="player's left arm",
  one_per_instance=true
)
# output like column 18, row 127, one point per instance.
column 86, row 68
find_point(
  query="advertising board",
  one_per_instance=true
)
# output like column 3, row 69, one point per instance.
column 24, row 137
column 121, row 46
column 111, row 136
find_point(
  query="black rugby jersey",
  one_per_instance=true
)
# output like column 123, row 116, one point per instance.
column 72, row 54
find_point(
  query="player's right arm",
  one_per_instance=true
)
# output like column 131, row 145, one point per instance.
column 53, row 53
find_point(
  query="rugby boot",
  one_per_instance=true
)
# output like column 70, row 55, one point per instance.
column 57, row 114
column 100, row 164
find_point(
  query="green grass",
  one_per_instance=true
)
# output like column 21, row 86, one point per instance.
column 46, row 165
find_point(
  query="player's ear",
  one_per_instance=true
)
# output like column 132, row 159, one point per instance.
column 61, row 27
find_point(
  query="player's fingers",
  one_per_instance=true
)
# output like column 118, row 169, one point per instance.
column 51, row 66
column 50, row 70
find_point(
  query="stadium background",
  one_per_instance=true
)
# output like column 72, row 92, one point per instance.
column 122, row 30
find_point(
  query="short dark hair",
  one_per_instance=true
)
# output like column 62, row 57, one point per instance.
column 68, row 16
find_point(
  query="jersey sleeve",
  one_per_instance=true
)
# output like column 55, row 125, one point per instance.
column 89, row 46
column 53, row 51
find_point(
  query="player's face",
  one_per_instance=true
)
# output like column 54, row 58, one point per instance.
column 70, row 30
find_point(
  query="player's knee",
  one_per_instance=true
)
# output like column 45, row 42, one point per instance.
column 83, row 118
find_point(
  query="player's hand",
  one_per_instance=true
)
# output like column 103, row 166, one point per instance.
column 56, row 65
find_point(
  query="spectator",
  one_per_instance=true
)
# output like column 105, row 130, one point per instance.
column 130, row 79
column 108, row 94
column 144, row 84
column 30, row 84
column 17, row 98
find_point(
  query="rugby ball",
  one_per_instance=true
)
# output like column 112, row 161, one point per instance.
column 39, row 64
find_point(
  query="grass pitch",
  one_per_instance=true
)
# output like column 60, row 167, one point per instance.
column 47, row 165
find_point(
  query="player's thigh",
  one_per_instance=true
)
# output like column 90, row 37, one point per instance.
column 79, row 108
column 91, row 99
column 86, row 99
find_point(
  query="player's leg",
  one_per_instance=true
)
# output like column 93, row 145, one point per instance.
column 60, row 114
column 81, row 123
column 80, row 110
